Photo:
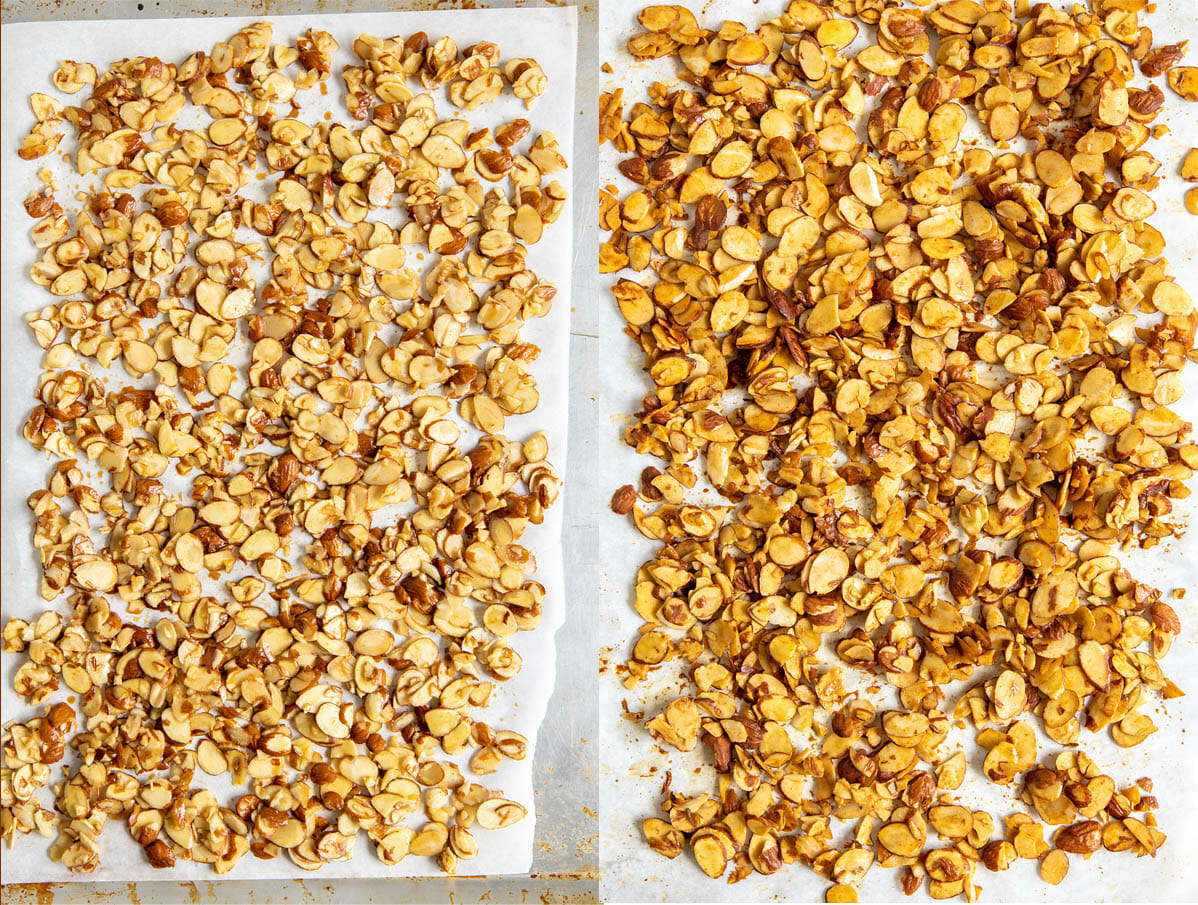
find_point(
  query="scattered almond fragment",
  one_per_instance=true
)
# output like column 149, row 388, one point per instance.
column 840, row 893
column 1054, row 866
column 1189, row 166
column 623, row 500
column 1184, row 80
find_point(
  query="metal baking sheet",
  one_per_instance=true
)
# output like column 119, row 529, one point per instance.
column 632, row 771
column 562, row 850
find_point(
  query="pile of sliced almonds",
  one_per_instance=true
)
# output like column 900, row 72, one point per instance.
column 931, row 378
column 303, row 572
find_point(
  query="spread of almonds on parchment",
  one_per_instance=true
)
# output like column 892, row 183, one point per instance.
column 893, row 276
column 288, row 535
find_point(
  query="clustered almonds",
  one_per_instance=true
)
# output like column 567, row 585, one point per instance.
column 931, row 378
column 244, row 597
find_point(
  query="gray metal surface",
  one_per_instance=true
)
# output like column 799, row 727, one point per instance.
column 565, row 866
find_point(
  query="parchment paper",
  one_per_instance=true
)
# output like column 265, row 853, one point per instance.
column 632, row 771
column 31, row 52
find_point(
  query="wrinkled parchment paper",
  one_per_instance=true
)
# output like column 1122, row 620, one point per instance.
column 31, row 52
column 632, row 771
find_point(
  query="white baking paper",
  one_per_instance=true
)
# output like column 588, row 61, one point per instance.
column 633, row 770
column 31, row 52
